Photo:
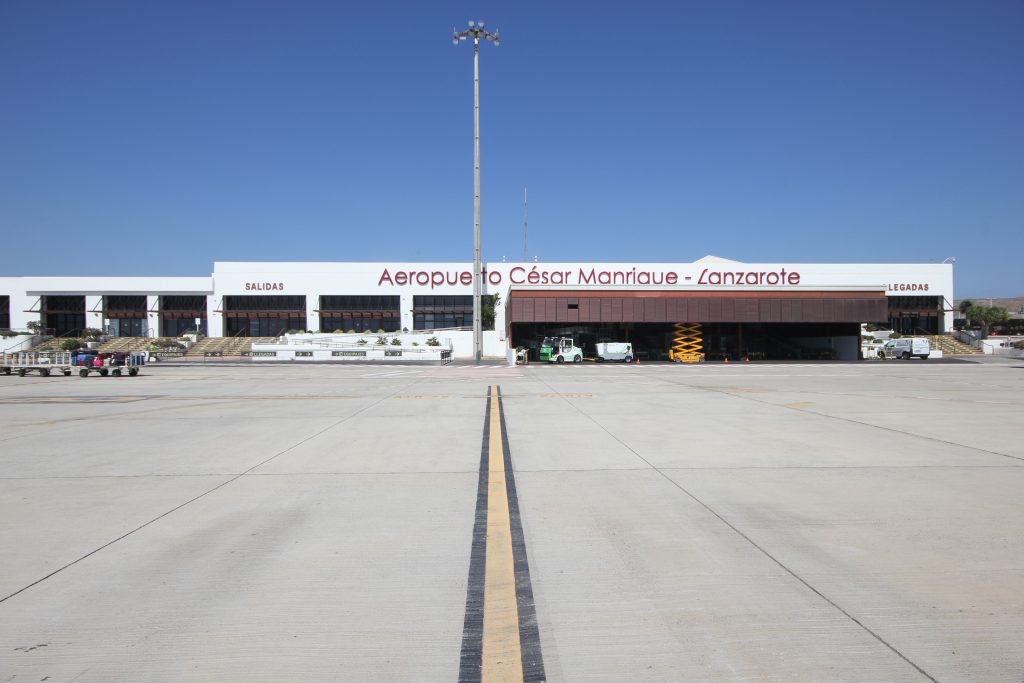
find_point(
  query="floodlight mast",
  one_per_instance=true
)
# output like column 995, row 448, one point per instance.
column 476, row 32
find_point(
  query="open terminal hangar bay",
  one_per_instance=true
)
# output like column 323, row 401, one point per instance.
column 784, row 522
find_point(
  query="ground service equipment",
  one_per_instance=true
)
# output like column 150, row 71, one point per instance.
column 41, row 362
column 114, row 364
column 560, row 350
column 687, row 344
column 615, row 351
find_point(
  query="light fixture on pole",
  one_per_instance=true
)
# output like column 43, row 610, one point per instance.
column 476, row 32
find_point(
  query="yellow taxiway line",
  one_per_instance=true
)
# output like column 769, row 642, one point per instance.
column 502, row 653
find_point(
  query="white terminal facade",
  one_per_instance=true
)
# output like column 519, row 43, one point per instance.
column 773, row 310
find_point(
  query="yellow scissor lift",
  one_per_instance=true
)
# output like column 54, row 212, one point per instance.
column 687, row 344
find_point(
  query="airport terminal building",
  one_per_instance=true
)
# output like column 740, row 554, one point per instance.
column 770, row 311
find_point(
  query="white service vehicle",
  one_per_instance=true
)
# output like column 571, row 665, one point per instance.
column 615, row 351
column 906, row 348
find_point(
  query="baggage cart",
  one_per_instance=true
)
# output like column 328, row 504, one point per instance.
column 42, row 363
column 113, row 364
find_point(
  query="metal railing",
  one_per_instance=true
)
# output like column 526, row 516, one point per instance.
column 356, row 350
column 333, row 344
column 24, row 345
column 966, row 337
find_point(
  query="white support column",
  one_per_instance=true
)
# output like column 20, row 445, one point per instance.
column 312, row 314
column 153, row 316
column 21, row 316
column 94, row 312
column 405, row 308
column 214, row 318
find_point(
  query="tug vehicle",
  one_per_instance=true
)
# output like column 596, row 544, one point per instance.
column 560, row 350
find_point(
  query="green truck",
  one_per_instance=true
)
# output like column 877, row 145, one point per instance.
column 560, row 350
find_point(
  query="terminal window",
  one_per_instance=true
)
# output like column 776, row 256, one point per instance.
column 360, row 313
column 263, row 316
column 64, row 316
column 175, row 327
column 189, row 304
column 342, row 303
column 178, row 314
column 265, row 303
column 121, row 306
column 434, row 312
column 915, row 314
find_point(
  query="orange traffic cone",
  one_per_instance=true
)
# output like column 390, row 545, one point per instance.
column 727, row 359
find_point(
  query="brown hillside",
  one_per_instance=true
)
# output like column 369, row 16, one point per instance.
column 1013, row 304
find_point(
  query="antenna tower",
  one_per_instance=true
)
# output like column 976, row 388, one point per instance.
column 526, row 223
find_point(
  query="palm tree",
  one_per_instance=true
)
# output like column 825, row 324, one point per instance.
column 488, row 306
column 964, row 307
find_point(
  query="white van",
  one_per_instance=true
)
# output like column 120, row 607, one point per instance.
column 906, row 347
column 615, row 351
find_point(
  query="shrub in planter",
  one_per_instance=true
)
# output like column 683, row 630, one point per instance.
column 35, row 327
column 382, row 340
column 70, row 344
column 92, row 334
column 361, row 342
column 396, row 342
column 433, row 342
column 415, row 343
column 351, row 332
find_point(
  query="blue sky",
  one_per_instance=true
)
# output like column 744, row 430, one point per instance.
column 205, row 130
